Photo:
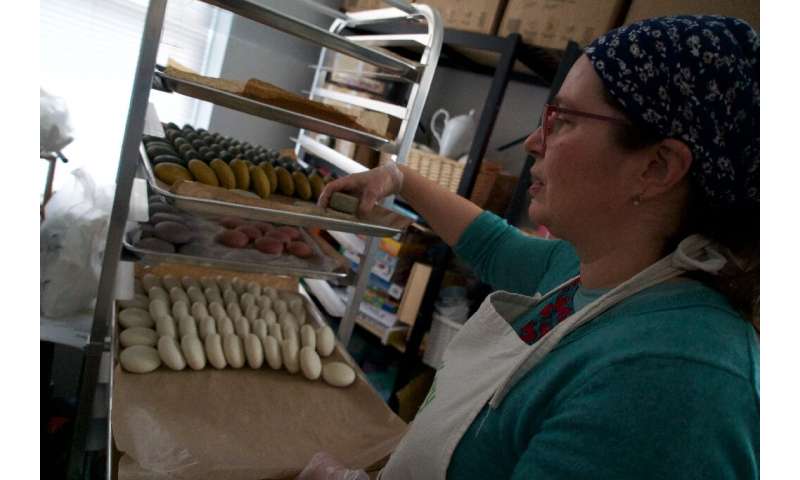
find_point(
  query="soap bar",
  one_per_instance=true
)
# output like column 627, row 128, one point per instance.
column 343, row 202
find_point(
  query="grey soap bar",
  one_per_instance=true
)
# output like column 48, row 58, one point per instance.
column 155, row 244
column 343, row 202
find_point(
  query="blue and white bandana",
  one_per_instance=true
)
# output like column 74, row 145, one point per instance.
column 693, row 78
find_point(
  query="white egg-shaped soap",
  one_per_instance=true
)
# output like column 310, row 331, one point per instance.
column 338, row 374
column 310, row 364
column 139, row 359
column 138, row 336
column 135, row 317
column 170, row 353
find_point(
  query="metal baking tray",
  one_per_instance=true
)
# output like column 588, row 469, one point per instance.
column 298, row 28
column 314, row 317
column 259, row 109
column 395, row 223
column 326, row 267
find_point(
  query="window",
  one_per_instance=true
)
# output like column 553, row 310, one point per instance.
column 88, row 55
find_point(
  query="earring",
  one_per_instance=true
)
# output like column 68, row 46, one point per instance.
column 637, row 200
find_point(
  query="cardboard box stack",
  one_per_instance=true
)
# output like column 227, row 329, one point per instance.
column 552, row 23
column 358, row 5
column 482, row 16
column 747, row 10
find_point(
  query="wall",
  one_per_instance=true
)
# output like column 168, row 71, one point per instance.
column 458, row 92
column 255, row 50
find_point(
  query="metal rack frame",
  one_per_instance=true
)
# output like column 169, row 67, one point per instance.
column 430, row 43
column 419, row 75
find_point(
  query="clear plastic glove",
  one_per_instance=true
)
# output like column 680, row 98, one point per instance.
column 324, row 467
column 370, row 187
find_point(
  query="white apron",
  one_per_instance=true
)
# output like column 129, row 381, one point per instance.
column 487, row 358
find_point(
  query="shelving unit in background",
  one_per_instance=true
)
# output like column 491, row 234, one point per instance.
column 456, row 47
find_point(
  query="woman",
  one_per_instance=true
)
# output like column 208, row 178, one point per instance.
column 632, row 358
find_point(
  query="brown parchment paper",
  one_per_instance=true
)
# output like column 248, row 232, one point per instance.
column 244, row 424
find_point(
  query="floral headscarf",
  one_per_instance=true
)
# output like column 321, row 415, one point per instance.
column 693, row 78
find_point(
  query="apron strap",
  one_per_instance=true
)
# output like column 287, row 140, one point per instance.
column 695, row 252
column 539, row 297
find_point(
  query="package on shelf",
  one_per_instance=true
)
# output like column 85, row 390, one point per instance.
column 375, row 313
column 747, row 10
column 385, row 265
column 484, row 182
column 358, row 5
column 403, row 246
column 552, row 23
column 481, row 16
column 387, row 319
column 501, row 193
column 355, row 74
column 394, row 290
column 378, row 122
column 409, row 244
column 414, row 292
column 385, row 275
column 380, row 300
column 395, row 336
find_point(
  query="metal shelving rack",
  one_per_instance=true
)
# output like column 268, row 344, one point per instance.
column 356, row 26
column 418, row 74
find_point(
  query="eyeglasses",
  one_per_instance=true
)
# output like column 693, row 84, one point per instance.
column 550, row 120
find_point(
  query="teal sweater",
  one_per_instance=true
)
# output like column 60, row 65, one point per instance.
column 662, row 386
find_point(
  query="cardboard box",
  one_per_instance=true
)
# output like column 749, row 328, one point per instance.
column 747, row 10
column 353, row 73
column 415, row 290
column 552, row 23
column 502, row 191
column 482, row 16
column 357, row 5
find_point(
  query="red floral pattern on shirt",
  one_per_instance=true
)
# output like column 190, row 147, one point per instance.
column 559, row 307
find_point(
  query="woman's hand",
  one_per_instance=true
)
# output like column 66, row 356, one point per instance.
column 323, row 466
column 371, row 186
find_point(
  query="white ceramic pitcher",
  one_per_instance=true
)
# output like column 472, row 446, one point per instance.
column 455, row 136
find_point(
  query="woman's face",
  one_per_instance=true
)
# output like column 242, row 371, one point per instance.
column 581, row 178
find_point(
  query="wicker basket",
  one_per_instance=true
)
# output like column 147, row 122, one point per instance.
column 448, row 173
column 442, row 170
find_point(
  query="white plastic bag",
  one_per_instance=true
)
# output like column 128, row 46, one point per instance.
column 71, row 244
column 55, row 132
